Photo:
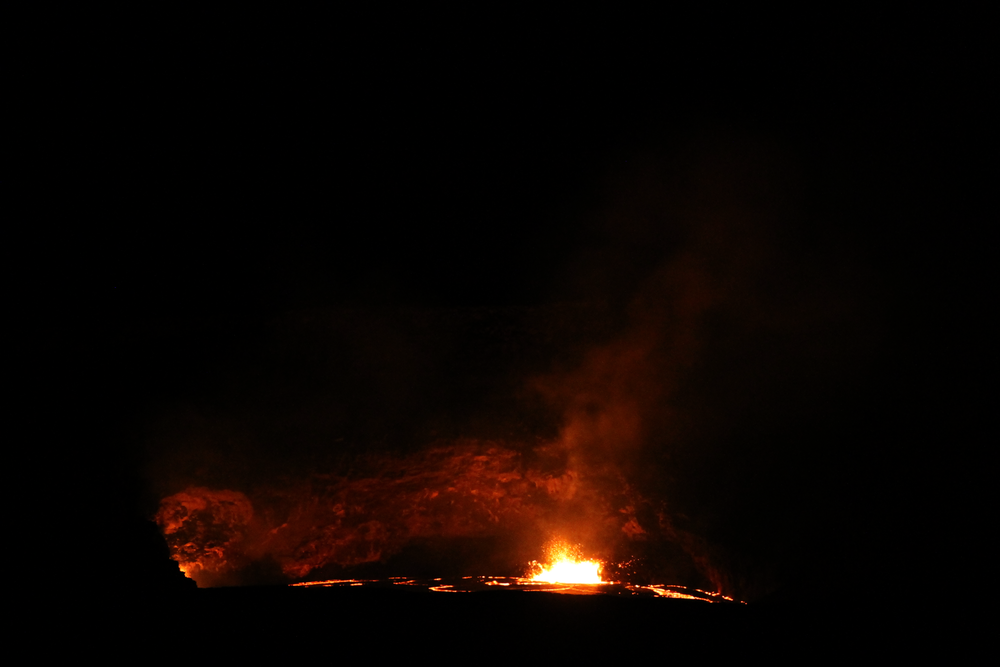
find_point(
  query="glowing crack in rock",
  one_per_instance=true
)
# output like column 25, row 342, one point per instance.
column 481, row 583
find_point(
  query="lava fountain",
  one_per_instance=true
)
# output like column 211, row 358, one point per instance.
column 566, row 567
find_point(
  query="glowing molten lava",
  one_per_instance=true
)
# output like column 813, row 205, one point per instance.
column 565, row 567
column 570, row 572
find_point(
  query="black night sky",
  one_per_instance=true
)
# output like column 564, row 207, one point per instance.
column 303, row 250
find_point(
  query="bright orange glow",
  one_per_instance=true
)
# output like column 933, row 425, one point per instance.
column 334, row 582
column 472, row 584
column 566, row 567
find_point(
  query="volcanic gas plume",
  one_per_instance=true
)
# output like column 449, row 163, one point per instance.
column 690, row 408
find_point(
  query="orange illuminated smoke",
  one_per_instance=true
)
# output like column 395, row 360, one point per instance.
column 566, row 567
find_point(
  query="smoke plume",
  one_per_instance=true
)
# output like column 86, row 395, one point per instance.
column 744, row 335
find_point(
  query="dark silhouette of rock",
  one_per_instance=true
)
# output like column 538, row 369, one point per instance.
column 145, row 565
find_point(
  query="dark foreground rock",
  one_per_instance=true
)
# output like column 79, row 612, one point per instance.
column 398, row 622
